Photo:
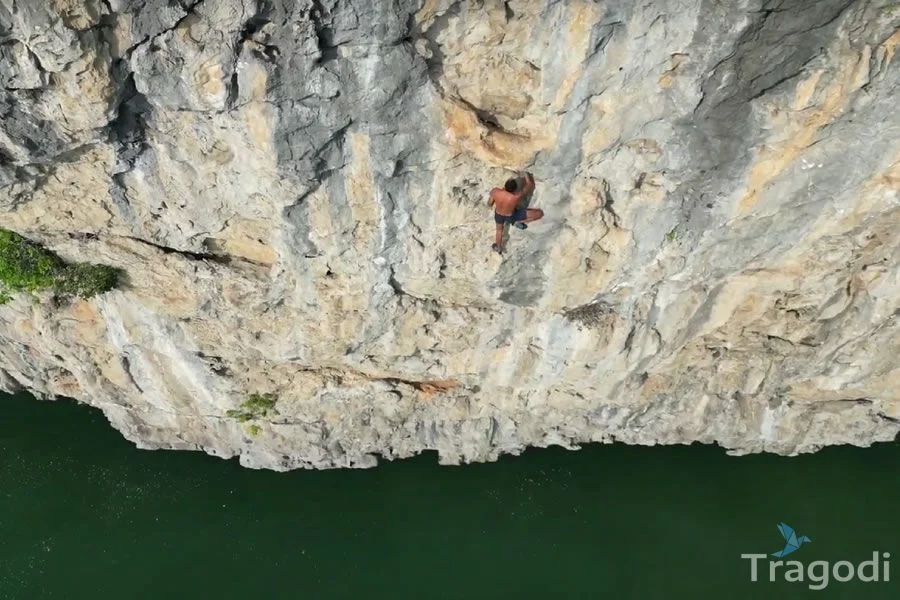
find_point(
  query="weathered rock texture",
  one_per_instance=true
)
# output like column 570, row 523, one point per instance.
column 297, row 191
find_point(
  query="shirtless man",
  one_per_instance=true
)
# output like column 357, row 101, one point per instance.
column 506, row 208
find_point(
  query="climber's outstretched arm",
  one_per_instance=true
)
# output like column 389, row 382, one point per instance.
column 529, row 186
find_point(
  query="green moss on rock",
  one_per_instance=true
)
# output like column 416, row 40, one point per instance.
column 255, row 407
column 28, row 267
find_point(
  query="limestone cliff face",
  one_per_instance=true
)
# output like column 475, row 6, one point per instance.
column 297, row 191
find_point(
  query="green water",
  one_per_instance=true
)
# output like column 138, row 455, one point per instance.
column 83, row 514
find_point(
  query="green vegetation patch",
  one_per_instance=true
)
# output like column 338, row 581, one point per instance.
column 256, row 406
column 28, row 267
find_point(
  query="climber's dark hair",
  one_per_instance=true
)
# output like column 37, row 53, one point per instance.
column 511, row 186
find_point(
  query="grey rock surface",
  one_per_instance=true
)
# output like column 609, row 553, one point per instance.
column 297, row 191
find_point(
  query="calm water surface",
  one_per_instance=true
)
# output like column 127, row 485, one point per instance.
column 83, row 514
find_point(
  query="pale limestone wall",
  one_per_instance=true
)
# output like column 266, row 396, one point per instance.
column 297, row 193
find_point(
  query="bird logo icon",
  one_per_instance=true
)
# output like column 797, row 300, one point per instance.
column 791, row 540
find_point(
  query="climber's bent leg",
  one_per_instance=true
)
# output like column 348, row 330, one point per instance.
column 527, row 215
column 533, row 214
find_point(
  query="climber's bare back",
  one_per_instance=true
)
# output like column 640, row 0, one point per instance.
column 504, row 202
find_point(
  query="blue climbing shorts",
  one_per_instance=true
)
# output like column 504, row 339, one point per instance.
column 519, row 215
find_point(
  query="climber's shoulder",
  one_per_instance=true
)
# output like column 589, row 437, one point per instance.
column 499, row 194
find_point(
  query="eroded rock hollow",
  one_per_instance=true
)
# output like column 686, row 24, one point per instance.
column 296, row 191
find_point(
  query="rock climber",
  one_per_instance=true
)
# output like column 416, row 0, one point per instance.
column 506, row 202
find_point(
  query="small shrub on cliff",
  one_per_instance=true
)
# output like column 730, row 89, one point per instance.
column 255, row 407
column 27, row 267
column 83, row 280
column 590, row 315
